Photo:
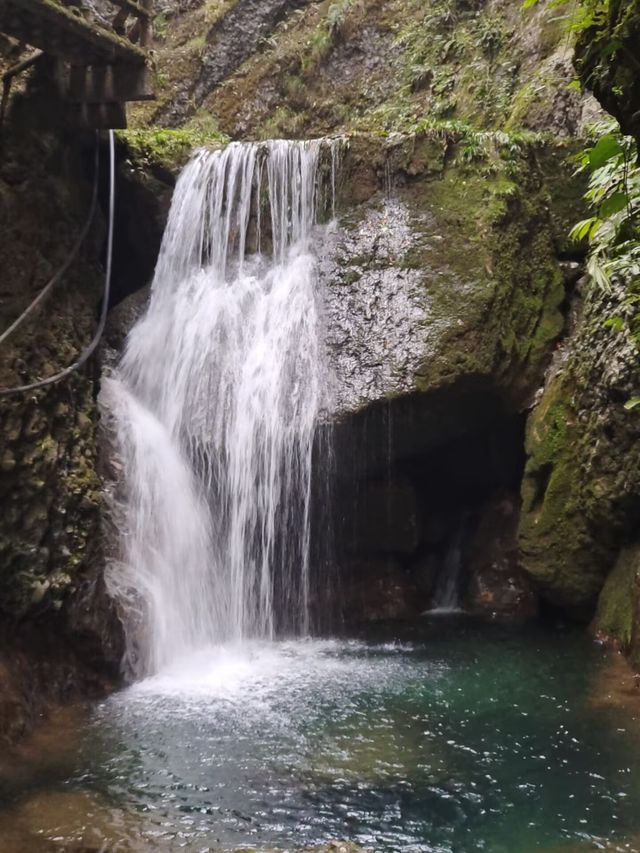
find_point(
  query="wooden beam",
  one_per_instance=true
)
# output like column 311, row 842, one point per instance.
column 58, row 31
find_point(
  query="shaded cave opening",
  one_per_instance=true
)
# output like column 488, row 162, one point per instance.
column 397, row 534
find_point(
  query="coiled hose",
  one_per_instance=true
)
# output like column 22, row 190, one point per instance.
column 89, row 350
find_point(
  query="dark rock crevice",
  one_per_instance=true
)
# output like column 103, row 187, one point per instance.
column 404, row 518
column 143, row 199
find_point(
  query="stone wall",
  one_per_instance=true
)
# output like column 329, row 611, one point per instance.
column 50, row 529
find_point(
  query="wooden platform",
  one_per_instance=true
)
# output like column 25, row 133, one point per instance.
column 98, row 69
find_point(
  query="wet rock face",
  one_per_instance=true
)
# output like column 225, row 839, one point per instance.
column 617, row 619
column 49, row 527
column 439, row 284
column 40, row 668
column 582, row 481
column 379, row 320
column 50, row 539
column 237, row 37
column 498, row 588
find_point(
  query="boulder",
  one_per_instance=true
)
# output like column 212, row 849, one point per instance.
column 582, row 478
column 617, row 619
column 497, row 587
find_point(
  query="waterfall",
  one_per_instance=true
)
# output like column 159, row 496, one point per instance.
column 214, row 408
column 446, row 598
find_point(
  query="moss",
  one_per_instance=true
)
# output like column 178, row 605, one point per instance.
column 285, row 123
column 49, row 485
column 169, row 149
column 552, row 529
column 489, row 211
column 580, row 484
column 530, row 105
column 617, row 613
column 441, row 59
column 521, row 105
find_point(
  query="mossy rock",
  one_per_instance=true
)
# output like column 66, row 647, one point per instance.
column 617, row 618
column 161, row 151
column 49, row 489
column 296, row 68
column 458, row 256
column 582, row 477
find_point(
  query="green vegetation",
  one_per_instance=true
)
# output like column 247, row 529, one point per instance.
column 613, row 230
column 168, row 148
column 453, row 55
column 324, row 37
column 477, row 145
column 580, row 15
column 616, row 614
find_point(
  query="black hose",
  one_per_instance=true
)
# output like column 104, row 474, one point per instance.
column 5, row 392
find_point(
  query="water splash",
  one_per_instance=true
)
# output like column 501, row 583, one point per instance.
column 216, row 401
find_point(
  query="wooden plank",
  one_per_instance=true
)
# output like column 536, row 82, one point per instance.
column 22, row 66
column 58, row 31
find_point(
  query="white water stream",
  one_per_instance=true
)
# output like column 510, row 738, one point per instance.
column 214, row 407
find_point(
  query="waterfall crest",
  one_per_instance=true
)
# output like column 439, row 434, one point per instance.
column 215, row 404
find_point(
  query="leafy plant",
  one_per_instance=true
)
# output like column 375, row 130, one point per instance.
column 323, row 38
column 582, row 14
column 337, row 15
column 612, row 232
column 490, row 36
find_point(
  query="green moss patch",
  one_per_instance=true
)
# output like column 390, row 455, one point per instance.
column 617, row 612
column 170, row 149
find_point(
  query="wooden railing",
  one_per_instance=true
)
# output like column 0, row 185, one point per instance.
column 141, row 31
column 99, row 65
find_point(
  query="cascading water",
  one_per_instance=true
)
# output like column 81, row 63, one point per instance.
column 446, row 598
column 214, row 407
